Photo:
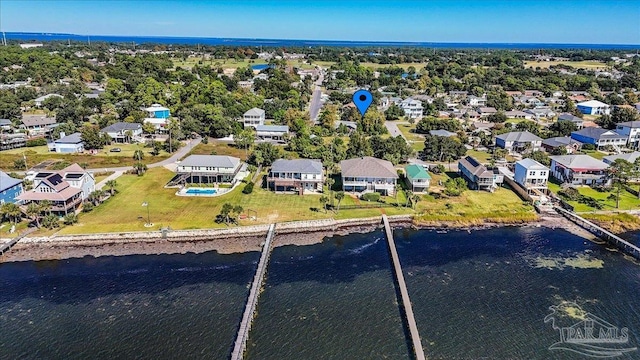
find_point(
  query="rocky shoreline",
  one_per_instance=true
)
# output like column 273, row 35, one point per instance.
column 229, row 240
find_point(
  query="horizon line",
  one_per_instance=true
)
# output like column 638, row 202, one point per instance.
column 318, row 40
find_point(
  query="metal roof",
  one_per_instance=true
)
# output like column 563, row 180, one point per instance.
column 305, row 166
column 7, row 182
column 219, row 161
column 272, row 128
column 630, row 157
column 579, row 162
column 416, row 172
column 531, row 164
column 598, row 133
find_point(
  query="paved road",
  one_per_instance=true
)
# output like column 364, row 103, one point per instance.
column 394, row 130
column 316, row 103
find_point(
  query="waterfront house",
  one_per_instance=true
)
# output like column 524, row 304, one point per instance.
column 68, row 144
column 209, row 169
column 272, row 132
column 569, row 144
column 630, row 157
column 417, row 178
column 368, row 174
column 532, row 176
column 297, row 175
column 12, row 141
column 518, row 141
column 10, row 188
column 579, row 170
column 478, row 176
column 38, row 124
column 599, row 137
column 65, row 189
column 412, row 108
column 123, row 131
column 630, row 129
column 253, row 117
column 40, row 100
column 593, row 107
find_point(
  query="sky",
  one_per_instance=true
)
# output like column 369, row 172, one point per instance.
column 507, row 21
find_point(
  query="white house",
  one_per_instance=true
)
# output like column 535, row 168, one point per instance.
column 210, row 169
column 518, row 141
column 532, row 176
column 253, row 117
column 476, row 101
column 594, row 107
column 39, row 100
column 299, row 175
column 368, row 174
column 412, row 108
column 630, row 129
column 68, row 144
column 579, row 170
column 271, row 132
column 123, row 131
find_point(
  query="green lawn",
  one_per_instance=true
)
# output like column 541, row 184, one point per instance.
column 481, row 156
column 595, row 154
column 416, row 140
column 590, row 65
column 628, row 201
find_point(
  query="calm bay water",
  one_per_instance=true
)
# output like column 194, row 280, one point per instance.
column 482, row 294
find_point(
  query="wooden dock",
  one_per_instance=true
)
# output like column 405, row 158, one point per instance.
column 8, row 245
column 615, row 240
column 250, row 308
column 406, row 302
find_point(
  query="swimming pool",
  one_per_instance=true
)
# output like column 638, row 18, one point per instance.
column 196, row 191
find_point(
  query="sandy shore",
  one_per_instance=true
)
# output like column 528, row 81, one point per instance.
column 224, row 242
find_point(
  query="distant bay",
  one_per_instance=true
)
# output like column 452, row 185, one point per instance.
column 24, row 36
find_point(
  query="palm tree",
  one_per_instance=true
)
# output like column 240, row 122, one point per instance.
column 408, row 194
column 414, row 200
column 339, row 197
column 11, row 211
column 33, row 212
column 324, row 200
column 111, row 184
column 45, row 206
column 140, row 168
column 138, row 155
column 128, row 135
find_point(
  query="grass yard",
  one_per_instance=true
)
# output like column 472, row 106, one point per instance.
column 628, row 201
column 92, row 161
column 589, row 65
column 481, row 156
column 595, row 154
column 416, row 140
column 219, row 148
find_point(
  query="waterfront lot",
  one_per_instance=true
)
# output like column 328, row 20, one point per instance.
column 628, row 201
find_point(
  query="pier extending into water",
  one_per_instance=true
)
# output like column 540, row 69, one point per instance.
column 406, row 302
column 250, row 308
column 615, row 240
column 8, row 245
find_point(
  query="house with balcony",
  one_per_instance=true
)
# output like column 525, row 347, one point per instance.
column 553, row 144
column 579, row 170
column 412, row 108
column 64, row 189
column 368, row 174
column 478, row 176
column 485, row 111
column 275, row 133
column 12, row 141
column 417, row 178
column 519, row 141
column 38, row 124
column 302, row 176
column 594, row 107
column 158, row 117
column 210, row 169
column 122, row 132
column 532, row 176
column 630, row 129
column 10, row 188
column 599, row 137
column 253, row 117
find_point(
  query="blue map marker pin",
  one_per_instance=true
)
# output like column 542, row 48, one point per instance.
column 362, row 99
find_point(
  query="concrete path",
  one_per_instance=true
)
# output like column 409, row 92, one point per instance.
column 104, row 181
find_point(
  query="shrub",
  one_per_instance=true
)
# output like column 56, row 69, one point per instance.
column 371, row 196
column 588, row 147
column 455, row 187
column 87, row 207
column 570, row 193
column 50, row 221
column 36, row 142
column 70, row 219
column 248, row 189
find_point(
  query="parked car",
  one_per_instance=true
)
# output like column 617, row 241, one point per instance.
column 115, row 150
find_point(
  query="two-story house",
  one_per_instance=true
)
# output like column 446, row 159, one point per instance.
column 253, row 117
column 10, row 188
column 579, row 170
column 38, row 124
column 599, row 137
column 123, row 131
column 412, row 108
column 532, row 176
column 64, row 189
column 478, row 176
column 210, row 169
column 368, row 174
column 297, row 175
column 417, row 178
column 158, row 117
column 630, row 129
column 518, row 141
column 594, row 107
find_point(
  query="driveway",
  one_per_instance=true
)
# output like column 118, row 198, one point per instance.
column 316, row 102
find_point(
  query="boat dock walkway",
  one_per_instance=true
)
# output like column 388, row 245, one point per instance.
column 620, row 243
column 9, row 244
column 250, row 308
column 406, row 302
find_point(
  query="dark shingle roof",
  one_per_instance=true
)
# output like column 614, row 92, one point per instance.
column 74, row 138
column 121, row 126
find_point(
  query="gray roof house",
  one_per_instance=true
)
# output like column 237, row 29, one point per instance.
column 478, row 176
column 37, row 122
column 368, row 174
column 253, row 117
column 518, row 141
column 118, row 131
column 443, row 133
column 209, row 169
column 68, row 143
column 579, row 170
column 271, row 132
column 630, row 157
column 297, row 175
column 566, row 142
column 599, row 137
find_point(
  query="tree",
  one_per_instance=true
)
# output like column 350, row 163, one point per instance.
column 620, row 172
column 372, row 123
column 148, row 128
column 138, row 155
column 441, row 148
column 244, row 139
column 265, row 154
column 408, row 195
column 562, row 128
column 429, row 123
column 414, row 200
column 498, row 117
column 93, row 138
column 358, row 146
column 225, row 213
column 541, row 157
column 237, row 210
column 324, row 200
column 606, row 121
column 455, row 187
column 394, row 112
column 328, row 117
column 140, row 168
column 33, row 212
column 619, row 115
column 499, row 100
column 50, row 221
column 339, row 196
column 70, row 219
column 11, row 212
column 9, row 105
column 111, row 184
